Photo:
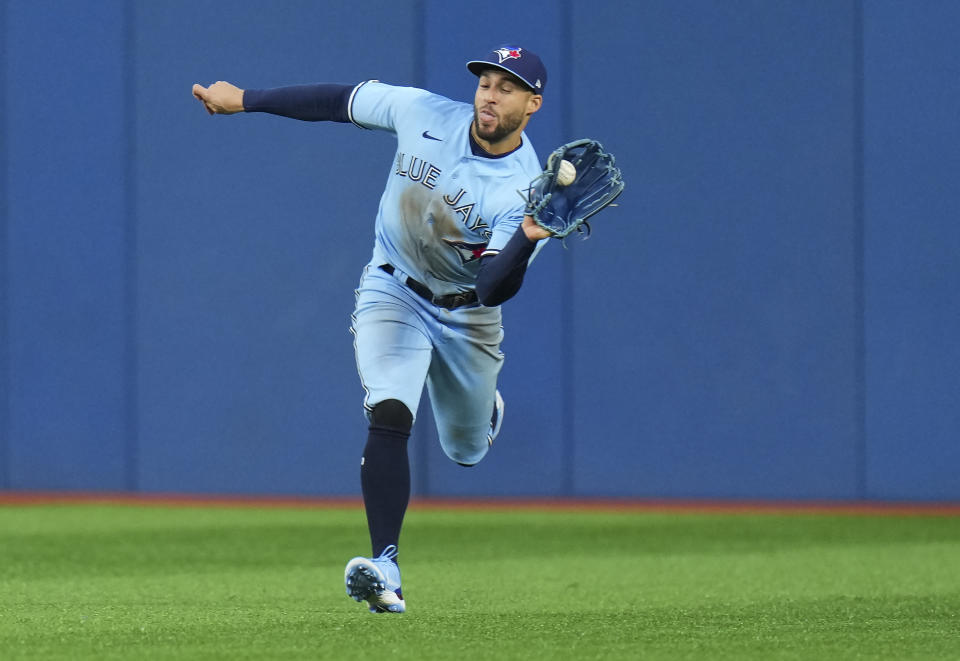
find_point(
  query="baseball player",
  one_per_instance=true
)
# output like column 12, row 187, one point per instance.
column 452, row 244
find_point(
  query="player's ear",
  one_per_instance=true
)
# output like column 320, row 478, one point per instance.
column 534, row 103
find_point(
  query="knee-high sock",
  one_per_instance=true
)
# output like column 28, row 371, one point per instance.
column 385, row 480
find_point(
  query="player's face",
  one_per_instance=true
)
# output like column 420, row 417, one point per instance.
column 502, row 106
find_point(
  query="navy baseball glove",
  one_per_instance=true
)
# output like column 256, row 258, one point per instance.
column 560, row 205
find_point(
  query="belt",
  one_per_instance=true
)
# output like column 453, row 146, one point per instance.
column 448, row 301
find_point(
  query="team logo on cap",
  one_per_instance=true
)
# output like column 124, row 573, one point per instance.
column 508, row 54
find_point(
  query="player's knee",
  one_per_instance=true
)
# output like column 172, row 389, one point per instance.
column 465, row 455
column 393, row 414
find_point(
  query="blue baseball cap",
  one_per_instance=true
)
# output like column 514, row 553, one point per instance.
column 520, row 62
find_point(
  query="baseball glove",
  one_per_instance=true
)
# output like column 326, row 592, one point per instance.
column 561, row 209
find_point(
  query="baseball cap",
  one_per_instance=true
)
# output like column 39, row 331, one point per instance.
column 522, row 63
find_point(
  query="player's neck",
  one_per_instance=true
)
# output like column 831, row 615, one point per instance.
column 510, row 143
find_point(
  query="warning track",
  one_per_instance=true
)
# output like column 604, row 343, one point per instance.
column 866, row 508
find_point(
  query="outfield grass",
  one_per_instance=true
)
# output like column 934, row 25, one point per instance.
column 152, row 582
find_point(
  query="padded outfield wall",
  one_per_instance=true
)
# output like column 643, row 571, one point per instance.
column 771, row 312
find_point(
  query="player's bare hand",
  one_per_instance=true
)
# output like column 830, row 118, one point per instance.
column 533, row 231
column 221, row 98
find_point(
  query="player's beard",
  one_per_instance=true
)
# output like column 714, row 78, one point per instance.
column 504, row 127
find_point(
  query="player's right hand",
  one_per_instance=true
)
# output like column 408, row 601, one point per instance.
column 221, row 98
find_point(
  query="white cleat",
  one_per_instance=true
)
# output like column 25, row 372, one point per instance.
column 376, row 581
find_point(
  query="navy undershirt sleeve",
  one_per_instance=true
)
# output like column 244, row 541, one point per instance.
column 501, row 275
column 311, row 103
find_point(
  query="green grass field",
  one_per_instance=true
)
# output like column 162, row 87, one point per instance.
column 153, row 582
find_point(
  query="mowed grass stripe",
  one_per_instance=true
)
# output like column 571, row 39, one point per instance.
column 122, row 582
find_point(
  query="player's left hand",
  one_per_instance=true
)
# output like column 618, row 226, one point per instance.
column 579, row 180
column 533, row 231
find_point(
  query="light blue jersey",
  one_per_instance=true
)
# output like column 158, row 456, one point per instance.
column 443, row 207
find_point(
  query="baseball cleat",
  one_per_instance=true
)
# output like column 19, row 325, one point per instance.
column 377, row 581
column 496, row 420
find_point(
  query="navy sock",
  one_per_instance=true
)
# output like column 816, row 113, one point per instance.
column 385, row 480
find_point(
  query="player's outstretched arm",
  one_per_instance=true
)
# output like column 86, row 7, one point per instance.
column 316, row 102
column 221, row 98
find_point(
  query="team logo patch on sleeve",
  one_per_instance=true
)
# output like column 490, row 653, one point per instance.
column 508, row 54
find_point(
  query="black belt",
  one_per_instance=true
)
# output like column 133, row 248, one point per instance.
column 448, row 301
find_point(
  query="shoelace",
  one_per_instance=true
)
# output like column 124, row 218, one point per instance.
column 388, row 553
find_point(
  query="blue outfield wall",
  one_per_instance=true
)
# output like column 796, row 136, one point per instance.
column 770, row 313
column 64, row 260
column 911, row 249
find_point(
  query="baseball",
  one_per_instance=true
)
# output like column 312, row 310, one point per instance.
column 567, row 173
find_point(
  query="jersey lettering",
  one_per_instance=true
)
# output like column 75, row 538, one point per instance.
column 477, row 224
column 418, row 170
column 430, row 178
column 419, row 174
column 423, row 172
column 453, row 200
column 464, row 212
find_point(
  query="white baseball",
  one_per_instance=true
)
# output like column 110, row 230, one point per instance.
column 567, row 173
